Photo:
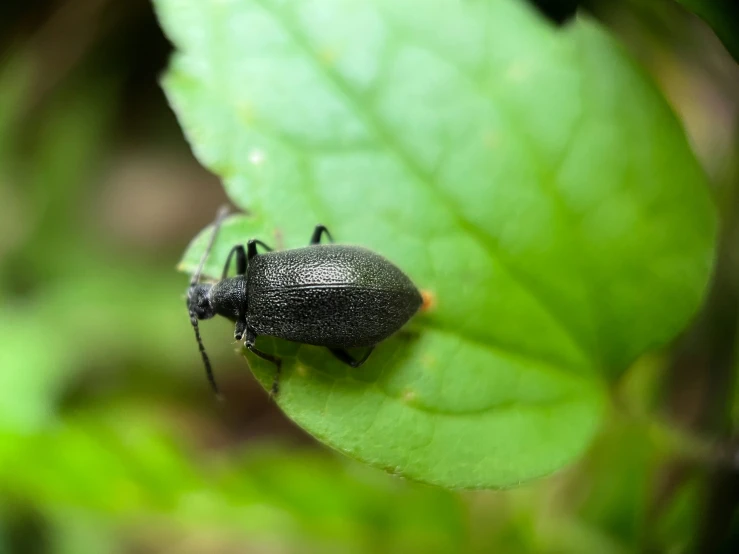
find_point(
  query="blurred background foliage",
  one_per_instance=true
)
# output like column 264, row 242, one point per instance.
column 110, row 440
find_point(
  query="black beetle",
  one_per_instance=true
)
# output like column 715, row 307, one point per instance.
column 334, row 295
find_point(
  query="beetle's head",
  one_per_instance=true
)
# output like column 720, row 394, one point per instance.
column 199, row 304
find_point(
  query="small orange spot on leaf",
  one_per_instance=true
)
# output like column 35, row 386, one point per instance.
column 429, row 300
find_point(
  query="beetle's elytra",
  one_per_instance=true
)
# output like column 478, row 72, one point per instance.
column 334, row 295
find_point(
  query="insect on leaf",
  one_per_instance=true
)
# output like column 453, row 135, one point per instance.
column 530, row 178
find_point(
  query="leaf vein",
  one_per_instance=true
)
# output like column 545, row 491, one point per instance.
column 421, row 175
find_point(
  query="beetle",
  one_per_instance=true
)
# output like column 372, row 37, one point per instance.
column 335, row 295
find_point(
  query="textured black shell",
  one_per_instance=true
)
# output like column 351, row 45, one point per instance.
column 332, row 295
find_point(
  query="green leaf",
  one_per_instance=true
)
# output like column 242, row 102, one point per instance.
column 530, row 178
column 15, row 81
column 131, row 465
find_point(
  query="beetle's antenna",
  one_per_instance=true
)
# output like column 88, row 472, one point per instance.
column 206, row 360
column 222, row 212
column 220, row 216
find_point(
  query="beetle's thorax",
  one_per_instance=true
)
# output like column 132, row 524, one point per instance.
column 228, row 297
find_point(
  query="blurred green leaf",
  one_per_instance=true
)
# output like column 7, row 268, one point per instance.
column 67, row 154
column 15, row 82
column 734, row 400
column 78, row 532
column 531, row 178
column 621, row 476
column 121, row 462
column 110, row 312
column 679, row 526
column 34, row 362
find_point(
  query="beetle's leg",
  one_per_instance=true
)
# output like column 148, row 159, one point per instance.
column 240, row 261
column 345, row 357
column 251, row 248
column 251, row 337
column 240, row 330
column 317, row 232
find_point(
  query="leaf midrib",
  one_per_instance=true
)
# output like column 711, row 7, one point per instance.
column 424, row 178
